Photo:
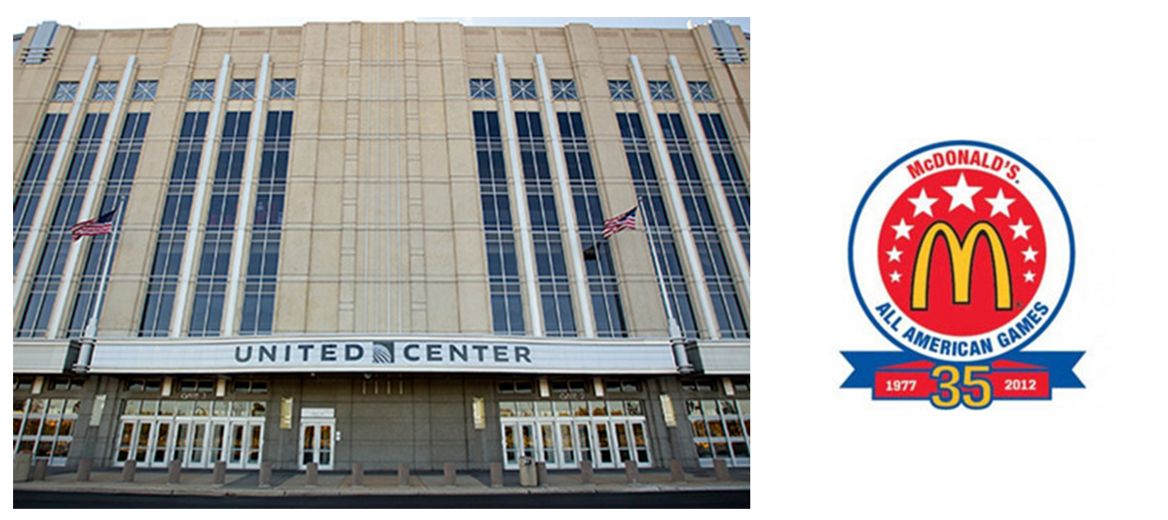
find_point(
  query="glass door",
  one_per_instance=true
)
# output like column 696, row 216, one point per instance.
column 584, row 438
column 255, row 437
column 567, row 444
column 142, row 447
column 197, row 456
column 161, row 441
column 316, row 443
column 235, row 446
column 181, row 443
column 218, row 443
column 605, row 457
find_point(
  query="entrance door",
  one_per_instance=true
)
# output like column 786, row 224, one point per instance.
column 520, row 440
column 316, row 443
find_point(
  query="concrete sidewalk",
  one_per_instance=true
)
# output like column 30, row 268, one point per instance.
column 288, row 483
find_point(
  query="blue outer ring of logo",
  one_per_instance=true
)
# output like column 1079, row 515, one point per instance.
column 855, row 220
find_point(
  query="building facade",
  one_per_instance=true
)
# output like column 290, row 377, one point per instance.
column 382, row 243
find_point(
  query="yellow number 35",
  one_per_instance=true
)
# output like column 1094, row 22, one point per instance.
column 948, row 393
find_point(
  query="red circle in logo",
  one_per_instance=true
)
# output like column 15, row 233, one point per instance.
column 962, row 252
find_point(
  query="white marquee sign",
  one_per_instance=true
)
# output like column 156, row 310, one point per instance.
column 397, row 354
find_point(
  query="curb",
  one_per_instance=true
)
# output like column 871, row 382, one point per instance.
column 388, row 491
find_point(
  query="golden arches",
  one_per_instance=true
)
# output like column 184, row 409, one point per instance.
column 961, row 264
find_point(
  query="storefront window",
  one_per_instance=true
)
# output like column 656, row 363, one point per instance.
column 721, row 429
column 44, row 427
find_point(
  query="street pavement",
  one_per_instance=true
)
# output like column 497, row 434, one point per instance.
column 700, row 489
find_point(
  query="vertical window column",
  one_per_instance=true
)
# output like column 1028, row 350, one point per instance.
column 47, row 277
column 554, row 290
column 121, row 179
column 566, row 89
column 172, row 229
column 733, row 183
column 186, row 275
column 662, row 91
column 527, row 249
column 637, row 152
column 259, row 293
column 719, row 278
column 721, row 201
column 235, row 271
column 499, row 234
column 116, row 91
column 37, row 225
column 28, row 194
column 602, row 280
column 215, row 259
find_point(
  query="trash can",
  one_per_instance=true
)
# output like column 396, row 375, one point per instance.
column 528, row 477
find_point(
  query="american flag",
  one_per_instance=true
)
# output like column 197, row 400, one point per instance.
column 101, row 225
column 626, row 220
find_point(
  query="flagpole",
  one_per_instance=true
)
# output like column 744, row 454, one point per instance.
column 91, row 325
column 674, row 329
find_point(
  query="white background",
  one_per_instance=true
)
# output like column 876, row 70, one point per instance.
column 1080, row 92
column 840, row 90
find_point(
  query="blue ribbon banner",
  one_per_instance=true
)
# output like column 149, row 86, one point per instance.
column 1060, row 365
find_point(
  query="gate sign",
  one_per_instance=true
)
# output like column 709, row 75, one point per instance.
column 398, row 354
column 961, row 254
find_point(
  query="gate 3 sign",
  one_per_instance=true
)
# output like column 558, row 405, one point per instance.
column 961, row 254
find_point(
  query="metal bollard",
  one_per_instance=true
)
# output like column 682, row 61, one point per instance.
column 358, row 474
column 219, row 474
column 676, row 471
column 84, row 469
column 721, row 472
column 449, row 474
column 403, row 475
column 585, row 472
column 40, row 469
column 174, row 472
column 129, row 470
column 310, row 470
column 496, row 474
column 632, row 474
column 21, row 466
column 266, row 475
column 541, row 473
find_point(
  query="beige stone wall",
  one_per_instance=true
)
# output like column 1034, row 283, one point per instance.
column 382, row 226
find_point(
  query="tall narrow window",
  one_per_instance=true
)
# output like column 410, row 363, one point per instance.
column 602, row 281
column 121, row 178
column 211, row 285
column 554, row 290
column 172, row 229
column 499, row 234
column 259, row 293
column 657, row 218
column 733, row 183
column 47, row 277
column 28, row 194
column 719, row 278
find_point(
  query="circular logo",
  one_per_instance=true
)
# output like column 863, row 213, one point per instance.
column 961, row 251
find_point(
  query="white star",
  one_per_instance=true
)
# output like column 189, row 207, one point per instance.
column 1030, row 254
column 1000, row 203
column 961, row 194
column 893, row 254
column 895, row 275
column 1029, row 276
column 923, row 204
column 902, row 230
column 1021, row 230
